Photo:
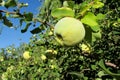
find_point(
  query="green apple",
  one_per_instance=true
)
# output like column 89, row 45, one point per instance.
column 26, row 55
column 69, row 31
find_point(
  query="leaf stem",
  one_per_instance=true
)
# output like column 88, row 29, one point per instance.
column 43, row 22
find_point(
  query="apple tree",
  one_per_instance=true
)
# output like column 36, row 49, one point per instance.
column 96, row 57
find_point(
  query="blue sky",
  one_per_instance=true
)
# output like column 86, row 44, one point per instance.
column 11, row 36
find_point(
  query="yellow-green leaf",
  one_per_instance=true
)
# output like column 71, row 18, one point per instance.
column 91, row 20
column 98, row 4
column 62, row 12
column 100, row 16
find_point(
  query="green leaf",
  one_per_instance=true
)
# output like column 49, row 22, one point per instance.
column 10, row 3
column 21, row 21
column 101, row 64
column 78, row 74
column 28, row 16
column 98, row 4
column 95, row 28
column 101, row 73
column 62, row 12
column 93, row 67
column 91, row 20
column 91, row 36
column 115, row 32
column 47, row 4
column 96, row 36
column 7, row 22
column 26, row 27
column 36, row 30
column 118, row 20
column 65, row 4
column 71, row 4
column 100, row 16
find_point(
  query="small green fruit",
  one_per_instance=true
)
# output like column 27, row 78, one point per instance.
column 26, row 55
column 69, row 31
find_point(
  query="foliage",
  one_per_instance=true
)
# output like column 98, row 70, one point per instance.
column 49, row 60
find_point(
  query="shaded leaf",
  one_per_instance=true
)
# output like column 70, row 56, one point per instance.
column 47, row 4
column 93, row 67
column 62, row 12
column 78, row 74
column 10, row 3
column 26, row 27
column 36, row 30
column 28, row 16
column 71, row 4
column 116, row 32
column 7, row 22
column 91, row 36
column 96, row 35
column 91, row 20
column 88, row 35
column 21, row 21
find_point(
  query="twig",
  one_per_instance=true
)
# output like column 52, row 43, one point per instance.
column 44, row 22
column 84, row 70
column 111, row 65
column 4, row 11
column 34, row 19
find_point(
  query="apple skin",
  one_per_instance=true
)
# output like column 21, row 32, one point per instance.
column 26, row 55
column 69, row 31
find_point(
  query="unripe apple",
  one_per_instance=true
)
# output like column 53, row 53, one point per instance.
column 69, row 31
column 26, row 55
column 43, row 57
column 86, row 48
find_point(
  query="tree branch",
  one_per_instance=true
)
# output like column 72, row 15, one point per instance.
column 4, row 11
column 34, row 19
column 111, row 65
column 44, row 22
